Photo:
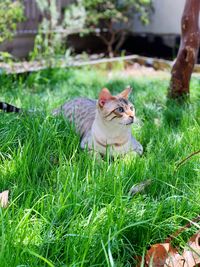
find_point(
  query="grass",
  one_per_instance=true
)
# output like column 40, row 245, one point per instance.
column 66, row 209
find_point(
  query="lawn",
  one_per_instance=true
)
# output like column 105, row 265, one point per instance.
column 65, row 208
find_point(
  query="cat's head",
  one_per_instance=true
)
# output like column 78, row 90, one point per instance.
column 116, row 109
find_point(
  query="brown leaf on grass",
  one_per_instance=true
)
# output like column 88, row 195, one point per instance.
column 4, row 199
column 175, row 260
column 163, row 255
column 157, row 255
column 191, row 252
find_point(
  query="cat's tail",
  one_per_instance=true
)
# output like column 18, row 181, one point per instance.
column 9, row 108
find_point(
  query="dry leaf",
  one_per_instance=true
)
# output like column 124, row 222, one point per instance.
column 157, row 255
column 174, row 260
column 192, row 251
column 4, row 199
column 164, row 255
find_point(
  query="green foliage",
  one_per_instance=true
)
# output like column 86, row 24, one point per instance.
column 75, row 16
column 113, row 18
column 51, row 38
column 6, row 57
column 11, row 12
column 65, row 208
column 115, row 11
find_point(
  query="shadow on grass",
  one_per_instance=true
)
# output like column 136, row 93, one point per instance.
column 174, row 112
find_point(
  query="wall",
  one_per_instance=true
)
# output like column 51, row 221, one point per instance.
column 165, row 19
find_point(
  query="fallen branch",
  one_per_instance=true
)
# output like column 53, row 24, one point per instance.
column 30, row 66
column 187, row 158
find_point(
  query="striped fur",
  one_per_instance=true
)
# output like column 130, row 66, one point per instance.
column 9, row 108
column 81, row 112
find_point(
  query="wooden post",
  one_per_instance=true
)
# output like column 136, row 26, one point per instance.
column 188, row 50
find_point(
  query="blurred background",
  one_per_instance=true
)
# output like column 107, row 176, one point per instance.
column 34, row 29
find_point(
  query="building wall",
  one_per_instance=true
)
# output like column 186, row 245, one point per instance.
column 164, row 20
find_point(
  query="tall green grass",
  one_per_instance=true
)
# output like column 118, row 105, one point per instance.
column 65, row 208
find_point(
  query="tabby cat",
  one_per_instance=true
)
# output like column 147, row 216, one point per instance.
column 103, row 124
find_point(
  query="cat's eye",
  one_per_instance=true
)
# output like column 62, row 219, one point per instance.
column 120, row 109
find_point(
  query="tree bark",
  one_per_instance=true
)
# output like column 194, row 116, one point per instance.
column 188, row 51
column 120, row 41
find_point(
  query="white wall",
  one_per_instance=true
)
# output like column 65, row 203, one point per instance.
column 165, row 20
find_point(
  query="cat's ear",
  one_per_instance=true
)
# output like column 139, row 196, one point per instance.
column 126, row 92
column 104, row 96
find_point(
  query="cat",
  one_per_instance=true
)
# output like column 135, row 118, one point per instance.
column 103, row 124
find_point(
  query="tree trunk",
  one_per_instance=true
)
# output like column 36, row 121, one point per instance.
column 188, row 50
column 110, row 50
column 120, row 42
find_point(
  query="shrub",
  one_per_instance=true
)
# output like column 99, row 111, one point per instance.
column 11, row 12
column 51, row 34
column 111, row 19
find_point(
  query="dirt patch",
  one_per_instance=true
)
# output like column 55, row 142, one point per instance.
column 138, row 71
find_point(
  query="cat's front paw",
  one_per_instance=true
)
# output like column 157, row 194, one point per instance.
column 139, row 149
